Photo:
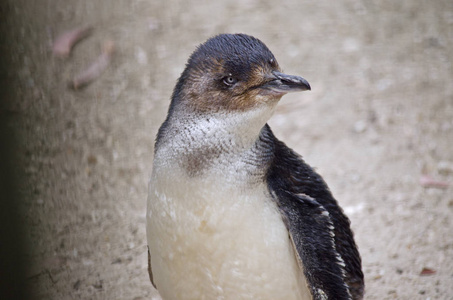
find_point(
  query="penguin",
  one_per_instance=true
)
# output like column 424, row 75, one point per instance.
column 232, row 212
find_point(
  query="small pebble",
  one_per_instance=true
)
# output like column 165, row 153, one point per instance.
column 445, row 168
column 360, row 126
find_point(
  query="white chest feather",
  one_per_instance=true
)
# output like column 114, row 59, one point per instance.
column 218, row 236
column 220, row 243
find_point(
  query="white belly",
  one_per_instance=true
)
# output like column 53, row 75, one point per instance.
column 220, row 243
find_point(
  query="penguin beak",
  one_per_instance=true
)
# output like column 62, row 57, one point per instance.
column 283, row 83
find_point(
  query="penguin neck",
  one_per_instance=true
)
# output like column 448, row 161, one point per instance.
column 214, row 143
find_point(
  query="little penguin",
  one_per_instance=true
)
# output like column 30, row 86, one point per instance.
column 232, row 212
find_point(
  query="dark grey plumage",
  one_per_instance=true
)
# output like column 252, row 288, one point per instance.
column 332, row 265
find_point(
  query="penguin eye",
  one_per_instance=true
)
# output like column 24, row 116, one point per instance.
column 273, row 63
column 229, row 80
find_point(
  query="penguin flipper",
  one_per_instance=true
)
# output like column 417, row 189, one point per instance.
column 306, row 204
column 150, row 271
column 312, row 234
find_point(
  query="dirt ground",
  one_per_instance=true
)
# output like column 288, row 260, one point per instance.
column 379, row 118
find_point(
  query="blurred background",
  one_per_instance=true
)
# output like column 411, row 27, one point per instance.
column 378, row 125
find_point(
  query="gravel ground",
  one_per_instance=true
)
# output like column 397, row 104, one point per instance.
column 378, row 121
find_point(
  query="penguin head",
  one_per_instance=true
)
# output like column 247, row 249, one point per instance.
column 233, row 72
